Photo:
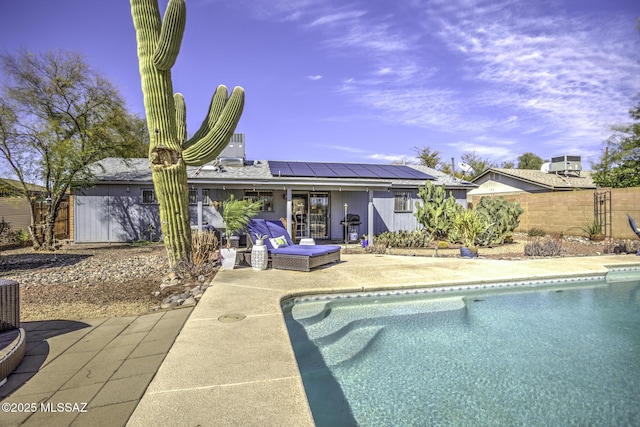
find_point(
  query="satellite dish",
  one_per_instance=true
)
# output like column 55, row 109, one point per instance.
column 465, row 167
column 545, row 167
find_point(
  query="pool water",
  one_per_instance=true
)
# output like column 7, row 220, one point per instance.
column 561, row 355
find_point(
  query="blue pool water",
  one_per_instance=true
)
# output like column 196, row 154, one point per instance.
column 557, row 354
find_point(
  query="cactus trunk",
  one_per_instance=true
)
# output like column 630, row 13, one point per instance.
column 169, row 152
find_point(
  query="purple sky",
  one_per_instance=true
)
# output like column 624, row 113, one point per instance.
column 367, row 80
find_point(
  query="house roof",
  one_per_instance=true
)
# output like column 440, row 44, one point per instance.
column 551, row 181
column 259, row 172
column 13, row 186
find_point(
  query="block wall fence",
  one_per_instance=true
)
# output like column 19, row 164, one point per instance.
column 569, row 211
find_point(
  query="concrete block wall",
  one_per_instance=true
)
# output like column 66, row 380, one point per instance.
column 569, row 212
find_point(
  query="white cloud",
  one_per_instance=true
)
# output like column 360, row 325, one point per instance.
column 315, row 77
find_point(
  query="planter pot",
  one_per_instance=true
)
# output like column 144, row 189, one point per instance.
column 235, row 241
column 467, row 253
column 228, row 258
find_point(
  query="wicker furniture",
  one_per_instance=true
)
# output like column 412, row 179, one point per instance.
column 291, row 256
column 12, row 337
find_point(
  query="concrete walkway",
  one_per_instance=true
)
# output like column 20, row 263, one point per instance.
column 97, row 369
column 233, row 365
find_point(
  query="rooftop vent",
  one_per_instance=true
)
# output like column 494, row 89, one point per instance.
column 565, row 165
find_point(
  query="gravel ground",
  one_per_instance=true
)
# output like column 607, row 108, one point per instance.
column 83, row 282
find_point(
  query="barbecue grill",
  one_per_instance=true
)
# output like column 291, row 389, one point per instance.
column 351, row 225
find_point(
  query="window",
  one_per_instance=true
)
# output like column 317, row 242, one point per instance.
column 402, row 201
column 193, row 196
column 265, row 196
column 149, row 197
column 206, row 200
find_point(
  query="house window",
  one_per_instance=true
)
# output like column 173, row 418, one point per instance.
column 265, row 196
column 193, row 196
column 402, row 201
column 206, row 200
column 149, row 197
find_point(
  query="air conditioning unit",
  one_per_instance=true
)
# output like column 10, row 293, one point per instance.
column 234, row 153
column 564, row 164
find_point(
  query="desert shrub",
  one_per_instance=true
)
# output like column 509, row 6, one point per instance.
column 536, row 232
column 467, row 226
column 376, row 248
column 5, row 228
column 543, row 247
column 8, row 236
column 204, row 257
column 443, row 245
column 436, row 209
column 405, row 239
column 204, row 247
column 502, row 218
column 621, row 247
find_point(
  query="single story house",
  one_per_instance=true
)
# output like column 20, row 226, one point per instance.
column 496, row 181
column 313, row 197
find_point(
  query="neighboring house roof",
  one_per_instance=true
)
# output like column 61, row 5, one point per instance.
column 12, row 187
column 547, row 180
column 255, row 172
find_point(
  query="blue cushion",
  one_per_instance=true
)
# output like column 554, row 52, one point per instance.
column 306, row 250
column 276, row 229
column 258, row 227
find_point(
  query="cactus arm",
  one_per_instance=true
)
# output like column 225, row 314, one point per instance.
column 171, row 33
column 181, row 117
column 208, row 147
column 218, row 101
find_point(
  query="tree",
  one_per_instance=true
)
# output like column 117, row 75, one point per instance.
column 57, row 116
column 530, row 161
column 169, row 149
column 428, row 158
column 477, row 163
column 508, row 164
column 619, row 163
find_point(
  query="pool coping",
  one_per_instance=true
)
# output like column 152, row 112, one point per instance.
column 233, row 363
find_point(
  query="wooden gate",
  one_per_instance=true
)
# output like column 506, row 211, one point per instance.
column 61, row 229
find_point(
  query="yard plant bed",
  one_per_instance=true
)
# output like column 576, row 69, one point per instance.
column 90, row 281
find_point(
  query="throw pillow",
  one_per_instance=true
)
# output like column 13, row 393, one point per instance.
column 278, row 242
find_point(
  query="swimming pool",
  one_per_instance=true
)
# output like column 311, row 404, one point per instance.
column 551, row 352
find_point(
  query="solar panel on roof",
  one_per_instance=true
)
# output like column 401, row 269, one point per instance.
column 345, row 170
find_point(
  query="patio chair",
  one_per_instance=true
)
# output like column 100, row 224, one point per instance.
column 633, row 226
column 284, row 254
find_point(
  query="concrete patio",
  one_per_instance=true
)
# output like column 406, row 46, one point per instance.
column 232, row 364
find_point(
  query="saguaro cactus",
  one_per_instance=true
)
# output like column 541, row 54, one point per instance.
column 170, row 151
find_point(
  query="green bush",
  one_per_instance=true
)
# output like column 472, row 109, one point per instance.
column 443, row 245
column 436, row 210
column 536, row 232
column 467, row 226
column 502, row 218
column 405, row 239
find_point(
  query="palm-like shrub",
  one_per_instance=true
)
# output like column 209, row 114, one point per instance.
column 236, row 214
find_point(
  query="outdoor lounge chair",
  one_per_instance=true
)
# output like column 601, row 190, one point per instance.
column 290, row 256
column 633, row 226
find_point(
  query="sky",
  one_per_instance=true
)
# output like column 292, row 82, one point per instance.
column 370, row 80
